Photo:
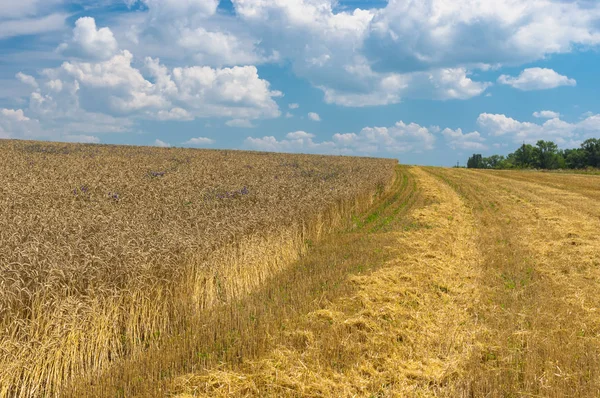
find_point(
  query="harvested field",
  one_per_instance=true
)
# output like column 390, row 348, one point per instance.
column 104, row 249
column 489, row 287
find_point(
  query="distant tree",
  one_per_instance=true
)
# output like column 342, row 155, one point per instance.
column 546, row 155
column 591, row 147
column 575, row 158
column 493, row 162
column 475, row 162
column 524, row 157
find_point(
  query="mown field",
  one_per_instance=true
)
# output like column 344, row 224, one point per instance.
column 485, row 284
column 139, row 272
column 106, row 252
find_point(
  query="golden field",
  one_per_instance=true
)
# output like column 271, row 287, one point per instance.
column 104, row 250
column 139, row 272
column 486, row 285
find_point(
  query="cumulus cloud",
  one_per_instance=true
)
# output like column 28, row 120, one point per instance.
column 221, row 48
column 416, row 35
column 456, row 139
column 407, row 49
column 293, row 106
column 537, row 79
column 199, row 141
column 31, row 26
column 546, row 115
column 554, row 129
column 314, row 116
column 27, row 79
column 14, row 124
column 298, row 141
column 241, row 123
column 90, row 42
column 442, row 84
column 427, row 48
column 88, row 139
column 399, row 138
column 324, row 45
column 169, row 9
column 161, row 144
column 112, row 94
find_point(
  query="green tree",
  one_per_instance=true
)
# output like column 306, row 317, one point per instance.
column 524, row 156
column 591, row 148
column 546, row 155
column 493, row 162
column 575, row 158
column 475, row 162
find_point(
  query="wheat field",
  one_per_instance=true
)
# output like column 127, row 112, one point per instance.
column 104, row 250
column 145, row 272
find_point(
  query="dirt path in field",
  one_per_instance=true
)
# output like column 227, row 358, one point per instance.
column 539, row 284
column 405, row 329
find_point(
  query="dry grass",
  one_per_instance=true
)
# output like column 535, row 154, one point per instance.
column 541, row 258
column 490, row 288
column 404, row 329
column 105, row 250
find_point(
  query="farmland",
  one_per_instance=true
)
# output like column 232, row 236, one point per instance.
column 151, row 272
column 105, row 250
column 487, row 287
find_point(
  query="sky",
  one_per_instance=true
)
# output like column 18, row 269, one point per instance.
column 424, row 81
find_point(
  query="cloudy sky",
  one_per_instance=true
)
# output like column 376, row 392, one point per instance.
column 424, row 81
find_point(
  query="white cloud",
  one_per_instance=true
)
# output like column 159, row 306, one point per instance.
column 169, row 9
column 399, row 138
column 324, row 46
column 241, row 123
column 441, row 84
column 314, row 116
column 161, row 144
column 294, row 106
column 199, row 141
column 14, row 124
column 456, row 139
column 14, row 115
column 288, row 115
column 298, row 141
column 110, row 95
column 429, row 47
column 554, row 129
column 537, row 79
column 32, row 26
column 90, row 42
column 591, row 124
column 174, row 114
column 27, row 79
column 546, row 115
column 27, row 8
column 89, row 139
column 221, row 48
column 415, row 35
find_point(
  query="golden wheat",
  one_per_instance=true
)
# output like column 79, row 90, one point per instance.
column 105, row 249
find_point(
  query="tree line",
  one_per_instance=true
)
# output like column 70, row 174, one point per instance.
column 542, row 155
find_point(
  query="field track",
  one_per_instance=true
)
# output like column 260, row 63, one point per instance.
column 540, row 280
column 488, row 287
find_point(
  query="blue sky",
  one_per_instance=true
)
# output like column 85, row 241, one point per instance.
column 424, row 81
